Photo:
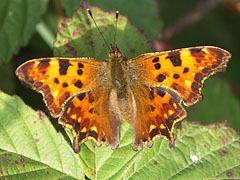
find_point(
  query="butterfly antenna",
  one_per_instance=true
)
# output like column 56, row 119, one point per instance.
column 90, row 13
column 117, row 14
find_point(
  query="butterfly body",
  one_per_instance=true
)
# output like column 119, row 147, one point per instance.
column 92, row 97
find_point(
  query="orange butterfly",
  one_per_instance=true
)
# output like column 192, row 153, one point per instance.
column 91, row 97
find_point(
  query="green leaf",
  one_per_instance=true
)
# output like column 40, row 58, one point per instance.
column 18, row 19
column 30, row 146
column 198, row 154
column 145, row 15
column 7, row 78
column 219, row 104
column 79, row 37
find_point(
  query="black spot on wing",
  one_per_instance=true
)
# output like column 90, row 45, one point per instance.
column 186, row 69
column 154, row 132
column 93, row 134
column 44, row 62
column 196, row 50
column 78, row 84
column 91, row 110
column 155, row 59
column 77, row 127
column 81, row 96
column 103, row 139
column 56, row 80
column 82, row 136
column 157, row 66
column 165, row 133
column 80, row 72
column 169, row 124
column 80, row 65
column 152, row 108
column 176, row 76
column 161, row 78
column 175, row 58
column 64, row 84
column 69, row 105
column 43, row 65
column 160, row 92
column 63, row 66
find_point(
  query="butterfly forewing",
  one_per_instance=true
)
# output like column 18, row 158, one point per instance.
column 60, row 78
column 182, row 70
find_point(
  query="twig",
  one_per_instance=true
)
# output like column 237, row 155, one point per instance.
column 189, row 18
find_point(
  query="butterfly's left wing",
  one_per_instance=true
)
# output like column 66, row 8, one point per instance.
column 183, row 70
column 158, row 109
column 161, row 81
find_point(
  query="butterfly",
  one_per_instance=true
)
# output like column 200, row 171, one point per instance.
column 92, row 97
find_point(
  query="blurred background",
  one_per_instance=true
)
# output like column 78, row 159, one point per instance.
column 28, row 30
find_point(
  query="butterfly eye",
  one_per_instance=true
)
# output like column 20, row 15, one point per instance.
column 111, row 54
column 119, row 54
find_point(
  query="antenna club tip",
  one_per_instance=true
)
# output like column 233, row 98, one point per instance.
column 89, row 12
column 117, row 13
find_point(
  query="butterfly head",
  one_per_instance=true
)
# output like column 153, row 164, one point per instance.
column 114, row 52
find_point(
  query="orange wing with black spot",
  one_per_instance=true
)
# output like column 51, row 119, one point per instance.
column 161, row 81
column 57, row 79
column 158, row 109
column 182, row 70
column 76, row 91
column 93, row 114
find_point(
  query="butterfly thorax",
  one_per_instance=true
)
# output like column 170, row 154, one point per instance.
column 116, row 68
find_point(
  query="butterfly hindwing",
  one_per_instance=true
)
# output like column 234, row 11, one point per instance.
column 60, row 78
column 93, row 114
column 182, row 70
column 158, row 109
